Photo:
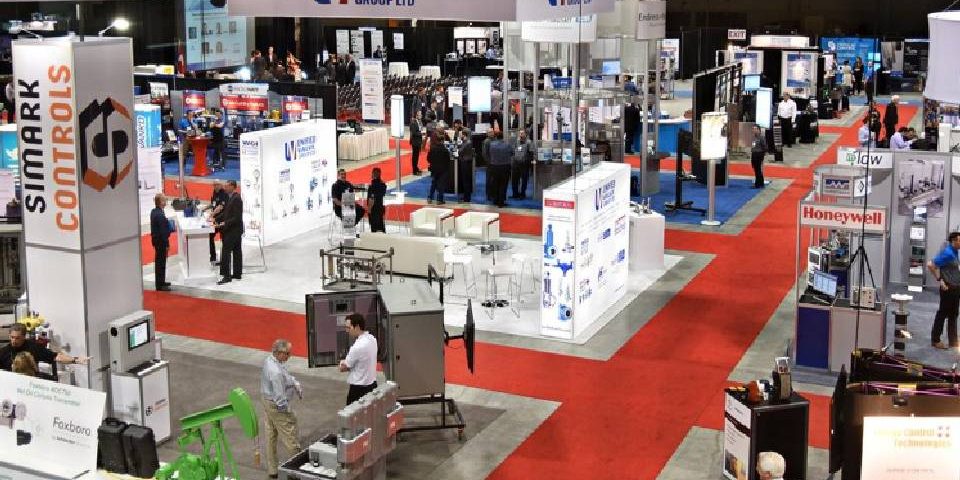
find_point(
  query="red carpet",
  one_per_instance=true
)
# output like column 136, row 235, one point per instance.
column 666, row 378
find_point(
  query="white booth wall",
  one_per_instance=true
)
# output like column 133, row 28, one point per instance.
column 585, row 248
column 285, row 175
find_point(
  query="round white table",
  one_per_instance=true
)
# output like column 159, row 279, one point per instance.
column 372, row 142
column 400, row 69
column 432, row 71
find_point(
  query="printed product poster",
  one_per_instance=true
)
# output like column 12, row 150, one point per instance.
column 920, row 185
column 8, row 147
column 559, row 240
column 752, row 61
column 343, row 42
column 915, row 448
column 150, row 179
column 736, row 452
column 47, row 426
column 713, row 135
column 357, row 43
column 371, row 89
column 398, row 41
column 251, row 184
column 798, row 71
column 892, row 55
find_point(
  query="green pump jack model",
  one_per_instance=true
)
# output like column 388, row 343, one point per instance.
column 216, row 456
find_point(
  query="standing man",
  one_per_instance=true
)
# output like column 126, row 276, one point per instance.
column 758, row 150
column 351, row 70
column 216, row 142
column 520, row 168
column 361, row 360
column 945, row 268
column 416, row 140
column 160, row 238
column 631, row 119
column 891, row 117
column 375, row 193
column 231, row 232
column 498, row 170
column 217, row 203
column 378, row 53
column 771, row 466
column 787, row 112
column 277, row 387
column 41, row 354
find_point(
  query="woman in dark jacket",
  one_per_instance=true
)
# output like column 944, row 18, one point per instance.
column 439, row 160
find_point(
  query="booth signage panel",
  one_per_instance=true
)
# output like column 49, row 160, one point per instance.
column 398, row 41
column 479, row 90
column 561, row 30
column 82, row 93
column 843, row 186
column 371, row 89
column 713, row 137
column 292, row 108
column 736, row 34
column 8, row 186
column 150, row 176
column 874, row 158
column 849, row 48
column 244, row 103
column 921, row 448
column 799, row 73
column 652, row 20
column 194, row 100
column 556, row 297
column 54, row 429
column 843, row 217
column 357, row 44
column 490, row 10
column 782, row 41
column 261, row 89
column 287, row 173
column 736, row 451
column 343, row 42
column 148, row 126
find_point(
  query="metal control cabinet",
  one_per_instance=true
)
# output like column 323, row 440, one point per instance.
column 413, row 319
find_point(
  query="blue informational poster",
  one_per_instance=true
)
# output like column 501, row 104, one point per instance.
column 8, row 147
column 849, row 48
column 148, row 126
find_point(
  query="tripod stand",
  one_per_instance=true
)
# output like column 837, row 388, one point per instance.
column 864, row 261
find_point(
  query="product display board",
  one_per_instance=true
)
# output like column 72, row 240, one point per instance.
column 398, row 41
column 357, row 43
column 670, row 53
column 916, row 52
column 891, row 54
column 214, row 38
column 849, row 48
column 81, row 211
column 293, row 108
column 920, row 448
column 48, row 427
column 286, row 174
column 371, row 89
column 763, row 114
column 736, row 439
column 713, row 135
column 585, row 248
column 376, row 39
column 149, row 165
column 194, row 100
column 752, row 61
column 799, row 74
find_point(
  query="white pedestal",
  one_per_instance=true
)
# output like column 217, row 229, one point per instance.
column 193, row 237
column 143, row 398
column 646, row 241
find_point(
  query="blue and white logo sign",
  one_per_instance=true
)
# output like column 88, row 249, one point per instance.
column 300, row 148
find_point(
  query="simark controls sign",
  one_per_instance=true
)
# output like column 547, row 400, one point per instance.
column 874, row 220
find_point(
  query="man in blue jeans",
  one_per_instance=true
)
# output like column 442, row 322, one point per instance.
column 945, row 268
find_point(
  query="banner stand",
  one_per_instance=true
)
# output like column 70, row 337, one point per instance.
column 712, row 189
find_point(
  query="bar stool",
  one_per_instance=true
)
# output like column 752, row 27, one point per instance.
column 462, row 261
column 494, row 299
column 522, row 264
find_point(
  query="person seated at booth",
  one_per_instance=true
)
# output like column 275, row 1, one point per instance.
column 336, row 192
column 901, row 140
column 24, row 364
column 41, row 354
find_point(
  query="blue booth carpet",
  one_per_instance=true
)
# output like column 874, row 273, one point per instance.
column 729, row 199
column 420, row 187
column 232, row 171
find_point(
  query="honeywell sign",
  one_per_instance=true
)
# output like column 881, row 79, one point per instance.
column 843, row 217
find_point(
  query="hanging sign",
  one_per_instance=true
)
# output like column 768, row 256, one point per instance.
column 873, row 158
column 652, row 20
column 477, row 11
column 194, row 100
column 562, row 30
column 736, row 34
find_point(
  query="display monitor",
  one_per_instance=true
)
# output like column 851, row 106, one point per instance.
column 751, row 83
column 825, row 283
column 138, row 334
column 478, row 94
column 764, row 107
column 610, row 67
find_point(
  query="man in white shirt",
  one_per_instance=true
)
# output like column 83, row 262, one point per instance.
column 277, row 388
column 361, row 360
column 787, row 112
column 899, row 140
column 771, row 466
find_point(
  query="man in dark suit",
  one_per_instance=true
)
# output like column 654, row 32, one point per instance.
column 160, row 238
column 231, row 231
column 351, row 70
column 631, row 119
column 416, row 141
column 217, row 202
column 891, row 117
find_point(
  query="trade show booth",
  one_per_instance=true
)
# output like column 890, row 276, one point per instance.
column 285, row 177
